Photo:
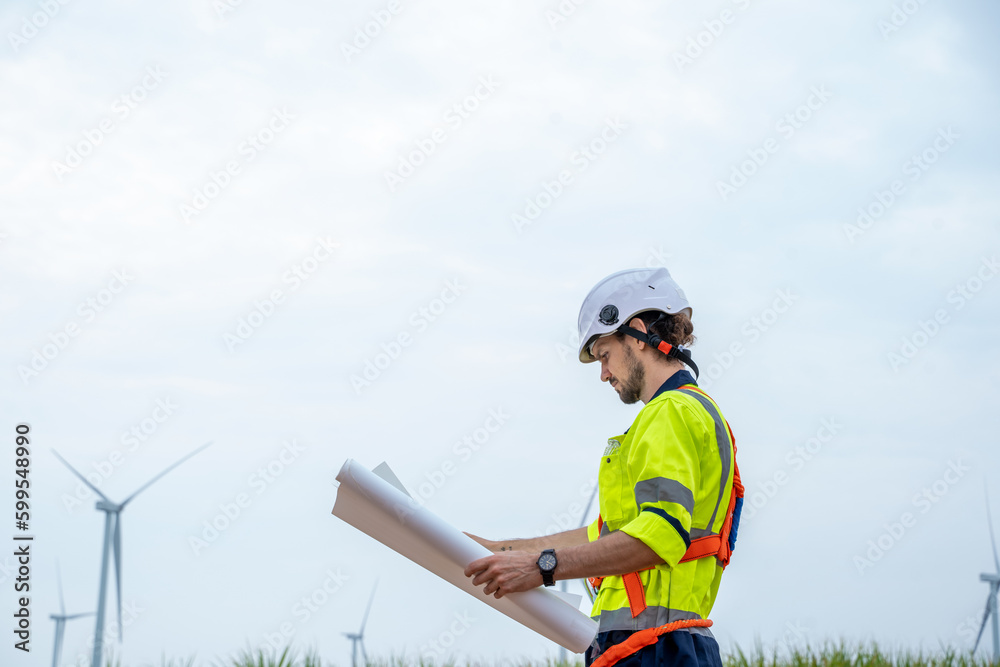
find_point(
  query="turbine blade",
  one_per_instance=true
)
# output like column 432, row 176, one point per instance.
column 147, row 484
column 364, row 653
column 986, row 617
column 364, row 620
column 993, row 541
column 82, row 478
column 72, row 616
column 118, row 569
column 62, row 605
column 583, row 519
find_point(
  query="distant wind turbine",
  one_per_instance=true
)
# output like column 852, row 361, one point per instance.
column 113, row 539
column 61, row 619
column 358, row 639
column 991, row 600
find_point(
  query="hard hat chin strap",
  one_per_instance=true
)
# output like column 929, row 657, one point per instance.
column 661, row 345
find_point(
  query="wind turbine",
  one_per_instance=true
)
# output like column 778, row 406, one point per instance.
column 358, row 639
column 563, row 583
column 991, row 600
column 113, row 539
column 61, row 619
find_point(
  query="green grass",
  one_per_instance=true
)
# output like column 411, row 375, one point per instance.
column 853, row 655
column 841, row 654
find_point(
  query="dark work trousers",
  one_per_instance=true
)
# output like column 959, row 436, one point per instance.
column 679, row 648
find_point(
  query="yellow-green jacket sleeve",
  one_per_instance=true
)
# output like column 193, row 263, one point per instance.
column 593, row 532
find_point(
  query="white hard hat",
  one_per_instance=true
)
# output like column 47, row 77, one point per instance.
column 623, row 295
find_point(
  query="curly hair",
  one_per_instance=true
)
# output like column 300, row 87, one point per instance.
column 676, row 329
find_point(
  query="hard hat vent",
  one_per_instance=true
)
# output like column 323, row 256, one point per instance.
column 609, row 315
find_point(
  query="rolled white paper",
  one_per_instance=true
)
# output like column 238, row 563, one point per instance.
column 384, row 512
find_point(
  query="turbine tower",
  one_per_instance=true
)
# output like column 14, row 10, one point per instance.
column 358, row 639
column 113, row 539
column 61, row 619
column 991, row 601
column 562, row 584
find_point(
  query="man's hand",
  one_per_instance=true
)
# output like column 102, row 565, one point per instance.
column 510, row 572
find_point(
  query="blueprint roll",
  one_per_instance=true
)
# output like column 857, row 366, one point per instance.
column 381, row 508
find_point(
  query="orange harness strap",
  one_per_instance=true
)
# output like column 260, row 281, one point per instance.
column 636, row 593
column 643, row 638
column 718, row 545
column 633, row 584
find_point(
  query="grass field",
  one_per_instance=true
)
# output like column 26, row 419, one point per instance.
column 830, row 655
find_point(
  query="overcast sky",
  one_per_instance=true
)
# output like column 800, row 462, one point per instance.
column 309, row 233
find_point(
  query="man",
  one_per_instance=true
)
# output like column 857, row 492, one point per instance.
column 668, row 490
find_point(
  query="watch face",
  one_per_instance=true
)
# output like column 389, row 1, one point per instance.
column 547, row 562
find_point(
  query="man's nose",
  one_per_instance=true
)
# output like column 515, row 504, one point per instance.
column 605, row 373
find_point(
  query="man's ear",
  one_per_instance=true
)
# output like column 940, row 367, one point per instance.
column 637, row 324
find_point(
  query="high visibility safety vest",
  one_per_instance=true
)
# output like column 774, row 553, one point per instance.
column 671, row 481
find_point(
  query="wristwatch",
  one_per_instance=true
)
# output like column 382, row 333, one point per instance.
column 547, row 566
